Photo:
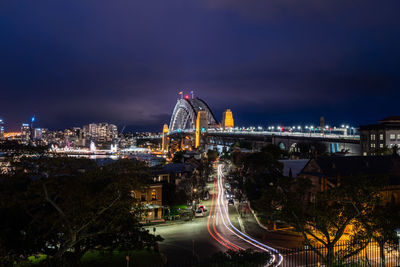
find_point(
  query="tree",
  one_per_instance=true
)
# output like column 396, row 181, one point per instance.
column 178, row 157
column 308, row 149
column 380, row 221
column 385, row 150
column 322, row 217
column 66, row 213
column 212, row 155
column 261, row 169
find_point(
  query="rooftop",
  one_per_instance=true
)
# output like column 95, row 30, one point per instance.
column 390, row 119
column 355, row 166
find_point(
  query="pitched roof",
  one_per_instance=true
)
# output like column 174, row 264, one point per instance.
column 395, row 119
column 295, row 165
column 354, row 165
column 175, row 168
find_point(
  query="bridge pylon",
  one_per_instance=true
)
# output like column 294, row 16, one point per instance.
column 164, row 146
column 227, row 119
column 201, row 126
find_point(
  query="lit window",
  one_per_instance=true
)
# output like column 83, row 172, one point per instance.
column 381, row 137
column 381, row 145
column 392, row 137
column 373, row 145
column 372, row 137
column 153, row 195
column 398, row 137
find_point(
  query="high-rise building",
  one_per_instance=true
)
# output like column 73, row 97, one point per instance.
column 25, row 133
column 38, row 134
column 101, row 132
column 1, row 129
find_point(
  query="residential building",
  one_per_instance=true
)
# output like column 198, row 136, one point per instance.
column 174, row 172
column 151, row 199
column 292, row 167
column 328, row 172
column 378, row 139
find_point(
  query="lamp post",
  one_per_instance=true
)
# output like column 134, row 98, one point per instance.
column 398, row 239
column 194, row 198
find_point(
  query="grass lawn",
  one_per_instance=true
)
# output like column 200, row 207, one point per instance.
column 177, row 209
column 95, row 258
column 136, row 258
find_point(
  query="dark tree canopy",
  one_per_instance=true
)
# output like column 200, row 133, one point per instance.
column 64, row 207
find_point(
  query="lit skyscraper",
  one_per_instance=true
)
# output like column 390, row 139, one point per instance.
column 102, row 132
column 25, row 133
column 37, row 134
column 1, row 129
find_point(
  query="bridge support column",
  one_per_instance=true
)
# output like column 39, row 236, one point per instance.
column 201, row 126
column 164, row 146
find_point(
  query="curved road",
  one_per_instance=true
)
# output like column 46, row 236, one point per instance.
column 225, row 233
column 194, row 241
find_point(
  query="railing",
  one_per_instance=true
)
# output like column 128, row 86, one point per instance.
column 344, row 254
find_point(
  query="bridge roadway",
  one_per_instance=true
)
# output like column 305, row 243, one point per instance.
column 287, row 135
column 261, row 135
column 286, row 140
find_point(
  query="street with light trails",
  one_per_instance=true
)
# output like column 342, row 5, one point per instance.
column 226, row 233
column 218, row 231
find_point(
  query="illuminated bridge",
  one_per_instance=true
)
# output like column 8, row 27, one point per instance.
column 185, row 114
column 184, row 120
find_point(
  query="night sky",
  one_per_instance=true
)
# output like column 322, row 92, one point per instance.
column 270, row 61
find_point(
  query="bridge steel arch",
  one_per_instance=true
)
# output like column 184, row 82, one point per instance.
column 185, row 113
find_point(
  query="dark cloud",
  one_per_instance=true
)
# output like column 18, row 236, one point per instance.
column 75, row 62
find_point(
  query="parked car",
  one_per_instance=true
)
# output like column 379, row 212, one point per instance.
column 199, row 213
column 227, row 185
column 228, row 194
column 203, row 208
column 231, row 202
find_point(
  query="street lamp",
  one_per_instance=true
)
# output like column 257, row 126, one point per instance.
column 397, row 230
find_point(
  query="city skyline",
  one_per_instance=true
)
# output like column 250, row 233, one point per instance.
column 275, row 62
